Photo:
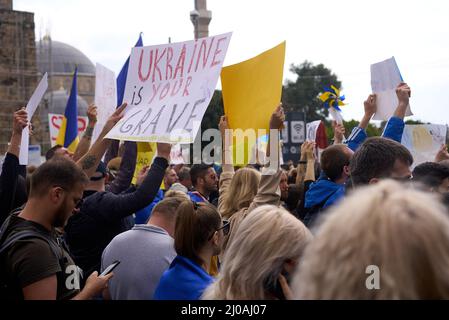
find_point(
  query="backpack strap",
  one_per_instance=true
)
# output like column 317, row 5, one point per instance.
column 29, row 234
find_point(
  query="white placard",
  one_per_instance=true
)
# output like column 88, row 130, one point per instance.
column 105, row 97
column 312, row 129
column 423, row 141
column 31, row 107
column 55, row 121
column 336, row 115
column 168, row 89
column 34, row 155
column 178, row 153
column 385, row 77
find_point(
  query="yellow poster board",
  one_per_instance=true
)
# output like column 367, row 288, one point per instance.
column 145, row 154
column 252, row 90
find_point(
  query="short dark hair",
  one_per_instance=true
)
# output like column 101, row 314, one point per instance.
column 198, row 171
column 56, row 172
column 184, row 174
column 333, row 160
column 195, row 223
column 430, row 174
column 168, row 207
column 375, row 158
column 51, row 153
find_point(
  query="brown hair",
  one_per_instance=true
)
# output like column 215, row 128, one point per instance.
column 60, row 172
column 51, row 152
column 195, row 223
column 333, row 160
column 376, row 158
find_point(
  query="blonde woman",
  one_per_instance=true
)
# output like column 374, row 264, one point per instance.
column 264, row 252
column 383, row 242
column 244, row 191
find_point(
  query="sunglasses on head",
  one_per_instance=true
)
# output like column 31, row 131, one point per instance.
column 225, row 227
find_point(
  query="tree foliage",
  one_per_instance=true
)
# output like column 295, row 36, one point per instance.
column 302, row 94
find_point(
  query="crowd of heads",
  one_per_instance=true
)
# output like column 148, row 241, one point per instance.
column 353, row 221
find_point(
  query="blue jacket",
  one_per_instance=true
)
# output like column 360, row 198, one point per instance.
column 144, row 214
column 321, row 189
column 184, row 280
column 196, row 196
column 393, row 130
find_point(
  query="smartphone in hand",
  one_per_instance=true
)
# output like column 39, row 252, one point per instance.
column 109, row 269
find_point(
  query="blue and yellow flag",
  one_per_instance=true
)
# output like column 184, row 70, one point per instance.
column 68, row 133
column 121, row 79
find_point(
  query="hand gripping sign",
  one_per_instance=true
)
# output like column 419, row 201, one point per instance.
column 168, row 89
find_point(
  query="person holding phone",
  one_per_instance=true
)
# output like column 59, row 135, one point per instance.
column 262, row 257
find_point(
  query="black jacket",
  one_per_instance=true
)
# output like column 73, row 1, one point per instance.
column 13, row 191
column 103, row 215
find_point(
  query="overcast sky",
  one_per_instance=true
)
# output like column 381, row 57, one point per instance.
column 346, row 36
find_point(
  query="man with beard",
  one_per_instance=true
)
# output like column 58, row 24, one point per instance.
column 34, row 261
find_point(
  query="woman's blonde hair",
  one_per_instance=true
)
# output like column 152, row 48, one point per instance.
column 383, row 242
column 243, row 189
column 265, row 239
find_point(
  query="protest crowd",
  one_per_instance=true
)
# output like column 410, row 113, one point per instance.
column 356, row 222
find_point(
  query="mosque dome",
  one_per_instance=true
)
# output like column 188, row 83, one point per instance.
column 56, row 102
column 57, row 57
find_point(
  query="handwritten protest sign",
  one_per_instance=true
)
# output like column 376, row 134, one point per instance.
column 424, row 141
column 105, row 97
column 385, row 77
column 31, row 107
column 312, row 129
column 168, row 89
column 55, row 121
column 146, row 151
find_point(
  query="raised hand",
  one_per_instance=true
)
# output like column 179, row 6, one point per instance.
column 339, row 132
column 370, row 105
column 92, row 114
column 277, row 118
column 403, row 92
column 141, row 175
column 20, row 121
column 442, row 154
column 163, row 150
column 114, row 118
column 223, row 125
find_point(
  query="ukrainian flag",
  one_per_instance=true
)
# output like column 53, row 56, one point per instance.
column 68, row 133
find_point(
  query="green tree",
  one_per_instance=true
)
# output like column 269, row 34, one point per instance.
column 302, row 94
column 414, row 122
column 371, row 130
column 214, row 112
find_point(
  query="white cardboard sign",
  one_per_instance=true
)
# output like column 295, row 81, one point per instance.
column 31, row 107
column 105, row 97
column 423, row 141
column 168, row 89
column 385, row 77
column 55, row 121
column 312, row 128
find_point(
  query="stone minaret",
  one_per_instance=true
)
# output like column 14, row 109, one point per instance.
column 200, row 18
column 18, row 71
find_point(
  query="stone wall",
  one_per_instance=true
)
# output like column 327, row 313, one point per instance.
column 18, row 71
